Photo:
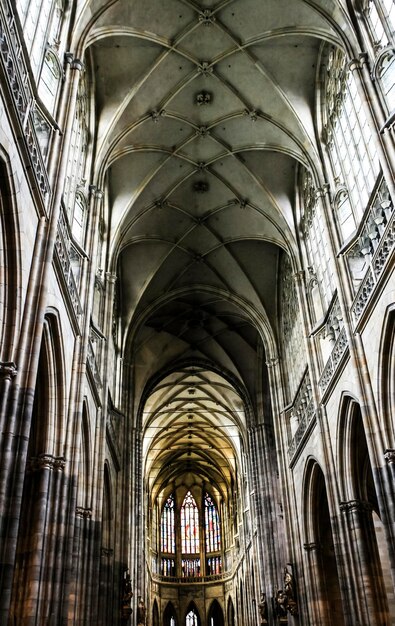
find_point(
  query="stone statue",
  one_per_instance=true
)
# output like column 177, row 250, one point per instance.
column 262, row 607
column 126, row 596
column 127, row 588
column 141, row 612
column 289, row 590
column 281, row 603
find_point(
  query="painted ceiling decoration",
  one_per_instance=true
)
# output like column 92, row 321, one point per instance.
column 205, row 117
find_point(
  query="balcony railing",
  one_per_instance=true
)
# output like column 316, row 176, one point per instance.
column 336, row 333
column 93, row 356
column 62, row 252
column 17, row 77
column 189, row 580
column 368, row 256
column 302, row 412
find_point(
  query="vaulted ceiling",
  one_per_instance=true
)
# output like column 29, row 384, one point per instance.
column 204, row 113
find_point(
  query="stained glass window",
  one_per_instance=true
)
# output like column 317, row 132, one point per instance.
column 168, row 567
column 190, row 568
column 213, row 536
column 168, row 543
column 189, row 525
column 214, row 565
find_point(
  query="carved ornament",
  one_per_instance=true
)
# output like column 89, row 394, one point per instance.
column 47, row 461
column 389, row 456
column 205, row 68
column 355, row 505
column 8, row 370
column 206, row 17
column 83, row 512
column 200, row 186
column 203, row 98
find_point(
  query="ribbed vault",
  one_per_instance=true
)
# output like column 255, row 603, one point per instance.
column 205, row 114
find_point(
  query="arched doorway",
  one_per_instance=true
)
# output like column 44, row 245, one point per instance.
column 192, row 617
column 364, row 526
column 215, row 615
column 155, row 614
column 231, row 613
column 325, row 602
column 169, row 616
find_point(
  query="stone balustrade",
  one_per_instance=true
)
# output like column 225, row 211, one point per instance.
column 369, row 254
column 62, row 253
column 16, row 76
column 301, row 413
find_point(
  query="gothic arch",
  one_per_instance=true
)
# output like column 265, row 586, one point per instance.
column 170, row 615
column 106, row 561
column 216, row 614
column 192, row 609
column 9, row 263
column 230, row 612
column 322, row 568
column 155, row 614
column 386, row 377
column 360, row 508
column 43, row 480
column 85, row 457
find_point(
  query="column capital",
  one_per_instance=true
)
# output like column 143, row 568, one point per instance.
column 8, row 370
column 389, row 456
column 75, row 64
column 299, row 277
column 96, row 192
column 312, row 546
column 354, row 64
column 273, row 361
column 82, row 512
column 46, row 461
column 355, row 505
column 111, row 277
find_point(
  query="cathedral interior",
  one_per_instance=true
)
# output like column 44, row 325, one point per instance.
column 197, row 312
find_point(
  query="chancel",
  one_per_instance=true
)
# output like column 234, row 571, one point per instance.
column 197, row 313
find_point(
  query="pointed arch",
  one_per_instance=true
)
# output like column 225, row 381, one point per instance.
column 85, row 458
column 361, row 507
column 192, row 616
column 190, row 541
column 169, row 615
column 155, row 614
column 38, row 528
column 230, row 612
column 324, row 588
column 386, row 377
column 215, row 614
column 9, row 262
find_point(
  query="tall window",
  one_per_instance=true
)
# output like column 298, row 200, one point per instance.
column 213, row 536
column 167, row 526
column 380, row 20
column 195, row 528
column 168, row 540
column 190, row 525
column 73, row 194
column 349, row 139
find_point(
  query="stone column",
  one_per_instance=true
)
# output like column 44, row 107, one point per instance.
column 266, row 502
column 8, row 371
column 313, row 589
column 367, row 592
column 34, row 544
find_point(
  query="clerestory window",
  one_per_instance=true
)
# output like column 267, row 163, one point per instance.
column 196, row 530
column 350, row 142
